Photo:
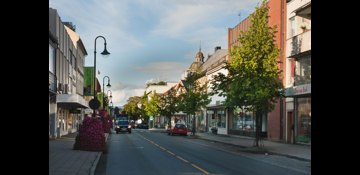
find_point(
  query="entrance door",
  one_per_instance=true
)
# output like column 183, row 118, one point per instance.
column 290, row 131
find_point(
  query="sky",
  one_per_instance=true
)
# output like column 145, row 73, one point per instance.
column 149, row 40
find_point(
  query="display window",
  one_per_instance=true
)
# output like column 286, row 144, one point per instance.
column 221, row 118
column 243, row 120
column 303, row 113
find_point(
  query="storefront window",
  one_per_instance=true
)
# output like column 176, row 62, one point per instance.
column 303, row 106
column 221, row 118
column 212, row 119
column 243, row 120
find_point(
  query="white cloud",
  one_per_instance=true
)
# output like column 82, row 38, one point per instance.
column 186, row 16
column 166, row 71
column 121, row 92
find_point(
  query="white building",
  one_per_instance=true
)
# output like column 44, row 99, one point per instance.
column 298, row 72
column 159, row 121
column 216, row 115
column 66, row 61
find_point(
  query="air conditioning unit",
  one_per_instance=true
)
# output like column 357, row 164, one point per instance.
column 60, row 87
column 66, row 88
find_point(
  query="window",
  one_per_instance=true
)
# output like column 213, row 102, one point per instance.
column 292, row 26
column 180, row 126
column 243, row 120
column 303, row 70
column 303, row 106
column 221, row 118
column 51, row 59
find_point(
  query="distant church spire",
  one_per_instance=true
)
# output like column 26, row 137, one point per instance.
column 199, row 56
column 200, row 47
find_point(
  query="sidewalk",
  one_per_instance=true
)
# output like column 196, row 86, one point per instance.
column 64, row 160
column 302, row 152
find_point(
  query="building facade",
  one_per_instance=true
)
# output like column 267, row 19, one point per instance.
column 216, row 114
column 273, row 122
column 68, row 54
column 298, row 79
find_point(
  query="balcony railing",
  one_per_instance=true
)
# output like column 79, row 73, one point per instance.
column 52, row 82
column 298, row 44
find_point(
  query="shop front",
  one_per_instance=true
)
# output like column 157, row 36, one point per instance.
column 244, row 123
column 70, row 113
column 217, row 119
column 302, row 112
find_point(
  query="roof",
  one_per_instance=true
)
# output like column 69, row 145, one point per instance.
column 195, row 65
column 215, row 60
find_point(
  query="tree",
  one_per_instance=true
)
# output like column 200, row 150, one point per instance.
column 152, row 106
column 169, row 103
column 132, row 109
column 194, row 97
column 253, row 80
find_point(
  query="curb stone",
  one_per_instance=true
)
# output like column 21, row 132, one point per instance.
column 99, row 155
column 256, row 151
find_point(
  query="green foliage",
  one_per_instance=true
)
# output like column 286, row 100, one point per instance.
column 158, row 83
column 195, row 96
column 253, row 80
column 168, row 105
column 152, row 106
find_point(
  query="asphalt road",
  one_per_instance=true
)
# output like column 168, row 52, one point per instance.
column 151, row 152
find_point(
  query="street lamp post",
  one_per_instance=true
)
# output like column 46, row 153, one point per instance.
column 108, row 85
column 105, row 52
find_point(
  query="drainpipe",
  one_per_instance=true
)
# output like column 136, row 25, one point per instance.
column 282, row 64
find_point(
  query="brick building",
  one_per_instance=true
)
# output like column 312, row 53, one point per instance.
column 273, row 122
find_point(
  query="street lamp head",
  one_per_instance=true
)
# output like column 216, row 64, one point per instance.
column 105, row 52
column 108, row 85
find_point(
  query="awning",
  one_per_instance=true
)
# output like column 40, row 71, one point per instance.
column 71, row 101
column 215, row 106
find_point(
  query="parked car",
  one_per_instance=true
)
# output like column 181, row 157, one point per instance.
column 132, row 124
column 123, row 126
column 143, row 125
column 179, row 128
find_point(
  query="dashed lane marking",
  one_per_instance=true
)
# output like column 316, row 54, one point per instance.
column 202, row 170
column 199, row 168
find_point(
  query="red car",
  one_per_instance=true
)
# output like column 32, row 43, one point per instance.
column 132, row 125
column 179, row 128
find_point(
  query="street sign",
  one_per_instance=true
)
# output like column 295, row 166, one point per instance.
column 94, row 103
column 151, row 117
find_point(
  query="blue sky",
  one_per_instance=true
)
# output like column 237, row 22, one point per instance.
column 150, row 40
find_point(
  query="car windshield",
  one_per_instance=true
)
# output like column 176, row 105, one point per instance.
column 180, row 126
column 123, row 123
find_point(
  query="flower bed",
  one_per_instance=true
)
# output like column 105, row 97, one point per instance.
column 107, row 121
column 91, row 135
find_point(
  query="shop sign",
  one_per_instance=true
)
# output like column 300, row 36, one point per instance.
column 210, row 112
column 302, row 89
column 298, row 90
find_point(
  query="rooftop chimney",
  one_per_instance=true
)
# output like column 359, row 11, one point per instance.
column 217, row 48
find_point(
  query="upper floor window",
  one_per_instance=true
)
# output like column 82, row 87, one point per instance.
column 292, row 26
column 51, row 59
column 303, row 71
